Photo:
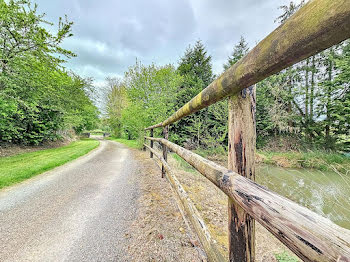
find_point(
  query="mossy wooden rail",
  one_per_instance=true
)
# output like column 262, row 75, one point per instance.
column 318, row 25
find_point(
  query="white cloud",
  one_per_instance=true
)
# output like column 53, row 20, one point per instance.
column 111, row 34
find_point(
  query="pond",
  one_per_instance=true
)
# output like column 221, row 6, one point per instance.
column 325, row 192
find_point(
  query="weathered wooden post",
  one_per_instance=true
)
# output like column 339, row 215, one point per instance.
column 241, row 154
column 165, row 149
column 151, row 135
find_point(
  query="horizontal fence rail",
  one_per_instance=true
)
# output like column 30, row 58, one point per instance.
column 318, row 25
column 309, row 235
column 197, row 221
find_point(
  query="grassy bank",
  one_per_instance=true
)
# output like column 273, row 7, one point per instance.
column 17, row 168
column 314, row 159
column 320, row 160
column 129, row 143
column 183, row 164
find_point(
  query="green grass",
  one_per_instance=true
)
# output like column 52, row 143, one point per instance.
column 129, row 143
column 183, row 164
column 213, row 151
column 320, row 160
column 14, row 169
column 313, row 159
column 285, row 257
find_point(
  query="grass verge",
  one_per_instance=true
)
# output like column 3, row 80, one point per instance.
column 320, row 160
column 285, row 257
column 183, row 164
column 129, row 143
column 14, row 169
column 313, row 159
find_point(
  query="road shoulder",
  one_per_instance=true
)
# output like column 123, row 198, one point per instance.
column 159, row 232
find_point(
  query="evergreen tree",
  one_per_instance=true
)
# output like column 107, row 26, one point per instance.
column 197, row 63
column 240, row 50
column 196, row 68
column 308, row 100
column 288, row 11
column 333, row 107
column 341, row 108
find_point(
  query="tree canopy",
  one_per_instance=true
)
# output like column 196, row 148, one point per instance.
column 39, row 99
column 307, row 103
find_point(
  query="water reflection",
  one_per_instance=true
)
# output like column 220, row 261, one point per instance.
column 326, row 193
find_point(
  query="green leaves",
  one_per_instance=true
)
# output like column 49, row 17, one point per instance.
column 38, row 97
column 22, row 33
column 143, row 97
column 196, row 69
column 240, row 50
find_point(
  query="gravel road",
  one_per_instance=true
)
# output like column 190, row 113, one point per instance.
column 77, row 212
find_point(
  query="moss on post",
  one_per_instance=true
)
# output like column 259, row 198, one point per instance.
column 316, row 26
column 241, row 157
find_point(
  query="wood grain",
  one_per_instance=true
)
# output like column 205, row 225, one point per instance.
column 318, row 25
column 309, row 235
column 241, row 159
column 196, row 219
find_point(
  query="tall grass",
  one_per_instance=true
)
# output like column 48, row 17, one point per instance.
column 314, row 159
column 183, row 164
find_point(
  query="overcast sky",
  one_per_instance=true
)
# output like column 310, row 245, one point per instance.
column 110, row 34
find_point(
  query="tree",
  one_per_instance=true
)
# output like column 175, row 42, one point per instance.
column 196, row 69
column 333, row 106
column 288, row 11
column 341, row 108
column 116, row 102
column 39, row 99
column 149, row 98
column 197, row 62
column 22, row 33
column 307, row 100
column 240, row 50
column 217, row 128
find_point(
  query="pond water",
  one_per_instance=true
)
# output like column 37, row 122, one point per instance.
column 325, row 192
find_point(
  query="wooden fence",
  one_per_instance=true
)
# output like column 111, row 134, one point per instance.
column 318, row 25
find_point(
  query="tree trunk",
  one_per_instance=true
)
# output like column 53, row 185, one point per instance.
column 311, row 113
column 289, row 110
column 328, row 105
column 307, row 90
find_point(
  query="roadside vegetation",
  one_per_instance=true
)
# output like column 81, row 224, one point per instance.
column 304, row 109
column 17, row 168
column 286, row 257
column 129, row 143
column 314, row 159
column 40, row 100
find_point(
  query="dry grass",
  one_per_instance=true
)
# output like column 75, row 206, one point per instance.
column 212, row 204
column 159, row 232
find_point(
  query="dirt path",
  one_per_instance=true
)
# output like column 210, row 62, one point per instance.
column 77, row 212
